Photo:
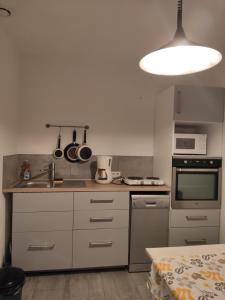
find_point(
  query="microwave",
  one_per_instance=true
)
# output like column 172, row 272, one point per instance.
column 189, row 143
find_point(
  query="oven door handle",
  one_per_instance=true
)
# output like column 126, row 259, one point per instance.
column 197, row 170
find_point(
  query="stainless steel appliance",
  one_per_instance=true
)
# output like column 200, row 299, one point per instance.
column 149, row 226
column 143, row 181
column 196, row 183
column 186, row 143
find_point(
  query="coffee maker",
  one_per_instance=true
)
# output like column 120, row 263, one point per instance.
column 104, row 174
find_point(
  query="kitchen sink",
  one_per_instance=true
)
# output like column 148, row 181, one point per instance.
column 70, row 183
column 34, row 184
column 47, row 184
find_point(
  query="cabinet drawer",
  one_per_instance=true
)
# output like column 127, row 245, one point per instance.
column 31, row 202
column 34, row 251
column 193, row 236
column 101, row 200
column 101, row 219
column 42, row 221
column 100, row 248
column 194, row 217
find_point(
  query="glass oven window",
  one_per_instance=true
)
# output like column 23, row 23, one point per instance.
column 197, row 186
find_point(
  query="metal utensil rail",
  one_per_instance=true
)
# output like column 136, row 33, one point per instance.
column 67, row 126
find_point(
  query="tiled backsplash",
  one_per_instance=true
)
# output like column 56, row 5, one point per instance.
column 127, row 165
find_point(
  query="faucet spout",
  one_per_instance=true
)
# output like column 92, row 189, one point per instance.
column 51, row 171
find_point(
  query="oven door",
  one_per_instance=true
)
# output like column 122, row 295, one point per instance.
column 196, row 188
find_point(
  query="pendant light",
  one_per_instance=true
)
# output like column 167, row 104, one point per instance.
column 180, row 56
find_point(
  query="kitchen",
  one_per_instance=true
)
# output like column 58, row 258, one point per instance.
column 90, row 75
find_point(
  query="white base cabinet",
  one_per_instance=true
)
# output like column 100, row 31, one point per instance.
column 55, row 231
column 100, row 236
column 100, row 248
column 37, row 251
column 190, row 227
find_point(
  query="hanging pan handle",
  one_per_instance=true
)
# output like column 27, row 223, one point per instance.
column 85, row 137
column 74, row 136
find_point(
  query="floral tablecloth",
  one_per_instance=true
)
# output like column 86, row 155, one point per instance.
column 188, row 277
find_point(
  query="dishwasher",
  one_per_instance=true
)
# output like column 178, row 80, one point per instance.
column 149, row 227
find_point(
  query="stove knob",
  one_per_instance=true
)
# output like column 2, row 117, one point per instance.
column 185, row 162
column 211, row 162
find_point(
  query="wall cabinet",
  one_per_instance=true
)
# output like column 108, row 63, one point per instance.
column 199, row 104
column 53, row 231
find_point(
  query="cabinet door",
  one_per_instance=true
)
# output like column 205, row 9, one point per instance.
column 100, row 248
column 96, row 219
column 33, row 202
column 203, row 104
column 193, row 236
column 42, row 221
column 36, row 251
column 194, row 217
column 101, row 200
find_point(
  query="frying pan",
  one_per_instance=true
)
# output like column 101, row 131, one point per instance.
column 58, row 152
column 84, row 152
column 70, row 149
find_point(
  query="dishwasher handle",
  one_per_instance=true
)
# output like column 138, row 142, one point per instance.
column 150, row 203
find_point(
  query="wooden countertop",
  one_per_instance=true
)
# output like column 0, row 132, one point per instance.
column 90, row 186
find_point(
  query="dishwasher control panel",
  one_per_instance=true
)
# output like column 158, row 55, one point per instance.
column 150, row 201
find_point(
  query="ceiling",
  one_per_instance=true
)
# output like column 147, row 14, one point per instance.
column 108, row 31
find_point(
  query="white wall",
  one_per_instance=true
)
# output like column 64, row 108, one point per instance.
column 114, row 101
column 8, row 116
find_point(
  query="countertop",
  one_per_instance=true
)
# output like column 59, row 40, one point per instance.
column 90, row 186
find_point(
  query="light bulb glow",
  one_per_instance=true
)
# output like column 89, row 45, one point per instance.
column 180, row 60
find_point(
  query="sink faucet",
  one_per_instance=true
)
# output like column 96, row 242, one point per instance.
column 50, row 171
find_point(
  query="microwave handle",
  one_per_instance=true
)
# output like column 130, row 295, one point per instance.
column 178, row 102
column 197, row 170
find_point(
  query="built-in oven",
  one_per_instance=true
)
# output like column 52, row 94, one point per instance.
column 196, row 183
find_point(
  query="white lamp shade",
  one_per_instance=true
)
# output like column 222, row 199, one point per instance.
column 180, row 60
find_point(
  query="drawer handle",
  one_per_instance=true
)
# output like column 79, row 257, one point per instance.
column 196, row 218
column 41, row 247
column 100, row 244
column 110, row 219
column 196, row 242
column 150, row 204
column 101, row 201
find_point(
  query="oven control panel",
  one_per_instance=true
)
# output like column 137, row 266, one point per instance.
column 197, row 163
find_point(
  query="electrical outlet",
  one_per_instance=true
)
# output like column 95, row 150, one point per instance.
column 116, row 174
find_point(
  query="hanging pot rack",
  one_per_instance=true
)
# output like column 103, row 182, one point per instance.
column 86, row 127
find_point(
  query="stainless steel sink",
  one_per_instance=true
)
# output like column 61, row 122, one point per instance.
column 70, row 183
column 34, row 184
column 48, row 184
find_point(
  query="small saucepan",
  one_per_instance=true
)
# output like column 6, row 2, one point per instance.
column 84, row 152
column 58, row 152
column 71, row 149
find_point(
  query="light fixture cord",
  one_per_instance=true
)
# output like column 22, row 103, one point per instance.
column 179, row 13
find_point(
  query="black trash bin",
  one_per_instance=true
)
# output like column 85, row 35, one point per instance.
column 11, row 283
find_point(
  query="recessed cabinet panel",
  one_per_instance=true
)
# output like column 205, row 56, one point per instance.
column 193, row 236
column 101, row 219
column 199, row 104
column 101, row 200
column 31, row 202
column 36, row 251
column 100, row 248
column 194, row 217
column 42, row 221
